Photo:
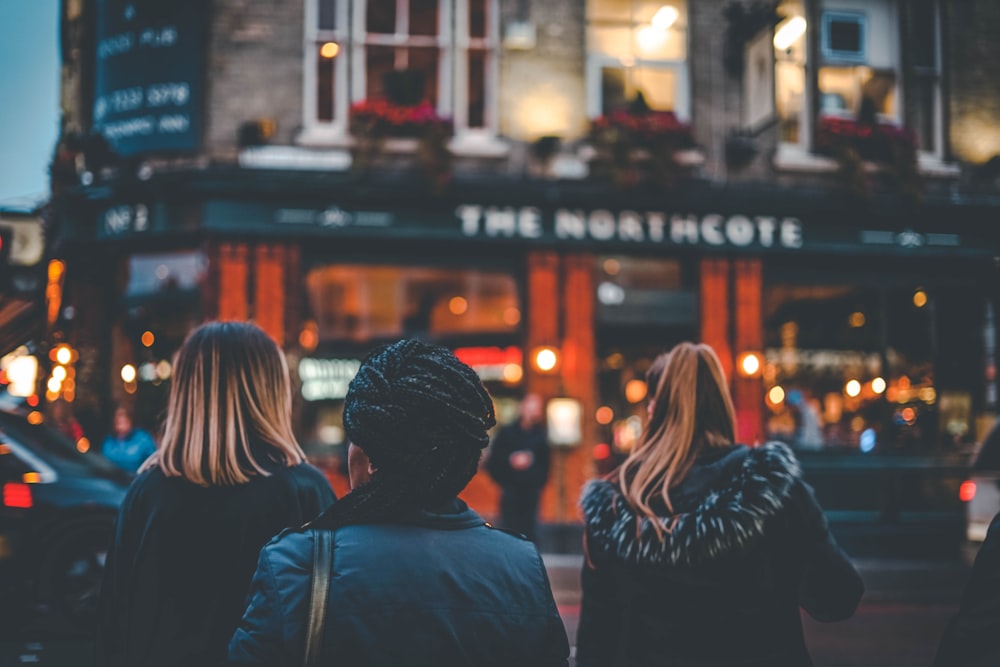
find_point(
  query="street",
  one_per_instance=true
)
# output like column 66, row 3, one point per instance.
column 906, row 607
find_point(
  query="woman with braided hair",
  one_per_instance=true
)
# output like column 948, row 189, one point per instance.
column 415, row 576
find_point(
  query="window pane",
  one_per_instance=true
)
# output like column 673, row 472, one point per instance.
column 423, row 17
column 845, row 35
column 326, row 87
column 477, row 19
column 620, row 85
column 856, row 92
column 615, row 42
column 609, row 10
column 425, row 61
column 327, row 14
column 658, row 86
column 381, row 16
column 790, row 83
column 379, row 62
column 477, row 89
column 364, row 303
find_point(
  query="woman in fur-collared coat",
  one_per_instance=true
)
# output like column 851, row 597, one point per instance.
column 701, row 551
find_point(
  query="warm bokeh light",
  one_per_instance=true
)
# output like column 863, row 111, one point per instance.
column 852, row 388
column 130, row 387
column 604, row 415
column 909, row 415
column 788, row 32
column 458, row 305
column 35, row 418
column 83, row 445
column 602, row 451
column 612, row 267
column 31, row 478
column 878, row 385
column 329, row 50
column 128, row 373
column 163, row 369
column 546, row 359
column 32, row 400
column 903, row 382
column 665, row 17
column 776, row 395
column 920, row 298
column 750, row 364
column 635, row 391
column 511, row 316
column 148, row 338
column 857, row 319
column 512, row 373
column 59, row 373
column 53, row 385
column 64, row 355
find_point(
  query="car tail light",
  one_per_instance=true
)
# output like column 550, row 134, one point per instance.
column 18, row 495
column 967, row 491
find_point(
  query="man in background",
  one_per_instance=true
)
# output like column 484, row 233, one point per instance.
column 519, row 462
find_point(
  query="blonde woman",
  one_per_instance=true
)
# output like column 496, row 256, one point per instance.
column 227, row 477
column 701, row 551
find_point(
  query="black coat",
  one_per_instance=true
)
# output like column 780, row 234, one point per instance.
column 972, row 638
column 176, row 578
column 511, row 438
column 430, row 588
column 749, row 547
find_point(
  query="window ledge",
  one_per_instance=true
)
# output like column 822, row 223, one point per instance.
column 294, row 157
column 475, row 145
column 789, row 157
column 934, row 167
column 324, row 138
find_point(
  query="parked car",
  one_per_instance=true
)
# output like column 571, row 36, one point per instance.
column 982, row 490
column 57, row 512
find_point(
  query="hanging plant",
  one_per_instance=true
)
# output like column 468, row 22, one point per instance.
column 853, row 143
column 638, row 145
column 373, row 122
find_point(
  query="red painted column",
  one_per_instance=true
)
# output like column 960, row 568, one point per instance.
column 748, row 392
column 233, row 272
column 269, row 291
column 715, row 310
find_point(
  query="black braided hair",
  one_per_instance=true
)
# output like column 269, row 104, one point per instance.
column 422, row 417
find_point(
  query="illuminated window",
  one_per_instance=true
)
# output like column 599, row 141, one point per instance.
column 407, row 51
column 637, row 47
column 860, row 70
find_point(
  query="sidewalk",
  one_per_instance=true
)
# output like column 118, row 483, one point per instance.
column 886, row 580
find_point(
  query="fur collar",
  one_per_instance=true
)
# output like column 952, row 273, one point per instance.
column 730, row 518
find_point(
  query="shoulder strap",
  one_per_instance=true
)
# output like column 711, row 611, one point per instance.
column 322, row 568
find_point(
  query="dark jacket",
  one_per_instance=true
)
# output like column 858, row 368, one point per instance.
column 511, row 438
column 176, row 578
column 972, row 638
column 431, row 588
column 749, row 547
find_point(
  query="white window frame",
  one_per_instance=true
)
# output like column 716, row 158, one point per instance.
column 937, row 154
column 597, row 60
column 452, row 41
column 314, row 130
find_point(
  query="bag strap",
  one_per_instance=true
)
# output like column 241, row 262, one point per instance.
column 322, row 567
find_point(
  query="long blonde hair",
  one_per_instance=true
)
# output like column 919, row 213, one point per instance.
column 230, row 397
column 692, row 409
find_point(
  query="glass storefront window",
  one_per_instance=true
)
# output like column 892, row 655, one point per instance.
column 643, row 309
column 889, row 369
column 353, row 308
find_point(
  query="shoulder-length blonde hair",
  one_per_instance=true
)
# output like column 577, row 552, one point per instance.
column 230, row 403
column 691, row 409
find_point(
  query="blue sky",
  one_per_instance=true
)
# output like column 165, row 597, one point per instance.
column 29, row 98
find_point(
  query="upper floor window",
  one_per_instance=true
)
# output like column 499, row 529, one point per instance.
column 442, row 52
column 859, row 74
column 637, row 47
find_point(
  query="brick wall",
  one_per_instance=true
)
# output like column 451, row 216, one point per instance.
column 974, row 60
column 255, row 70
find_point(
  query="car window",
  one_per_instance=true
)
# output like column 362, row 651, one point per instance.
column 54, row 449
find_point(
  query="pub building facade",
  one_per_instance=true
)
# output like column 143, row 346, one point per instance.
column 229, row 160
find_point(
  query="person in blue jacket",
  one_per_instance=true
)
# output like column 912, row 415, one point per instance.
column 127, row 446
column 416, row 577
